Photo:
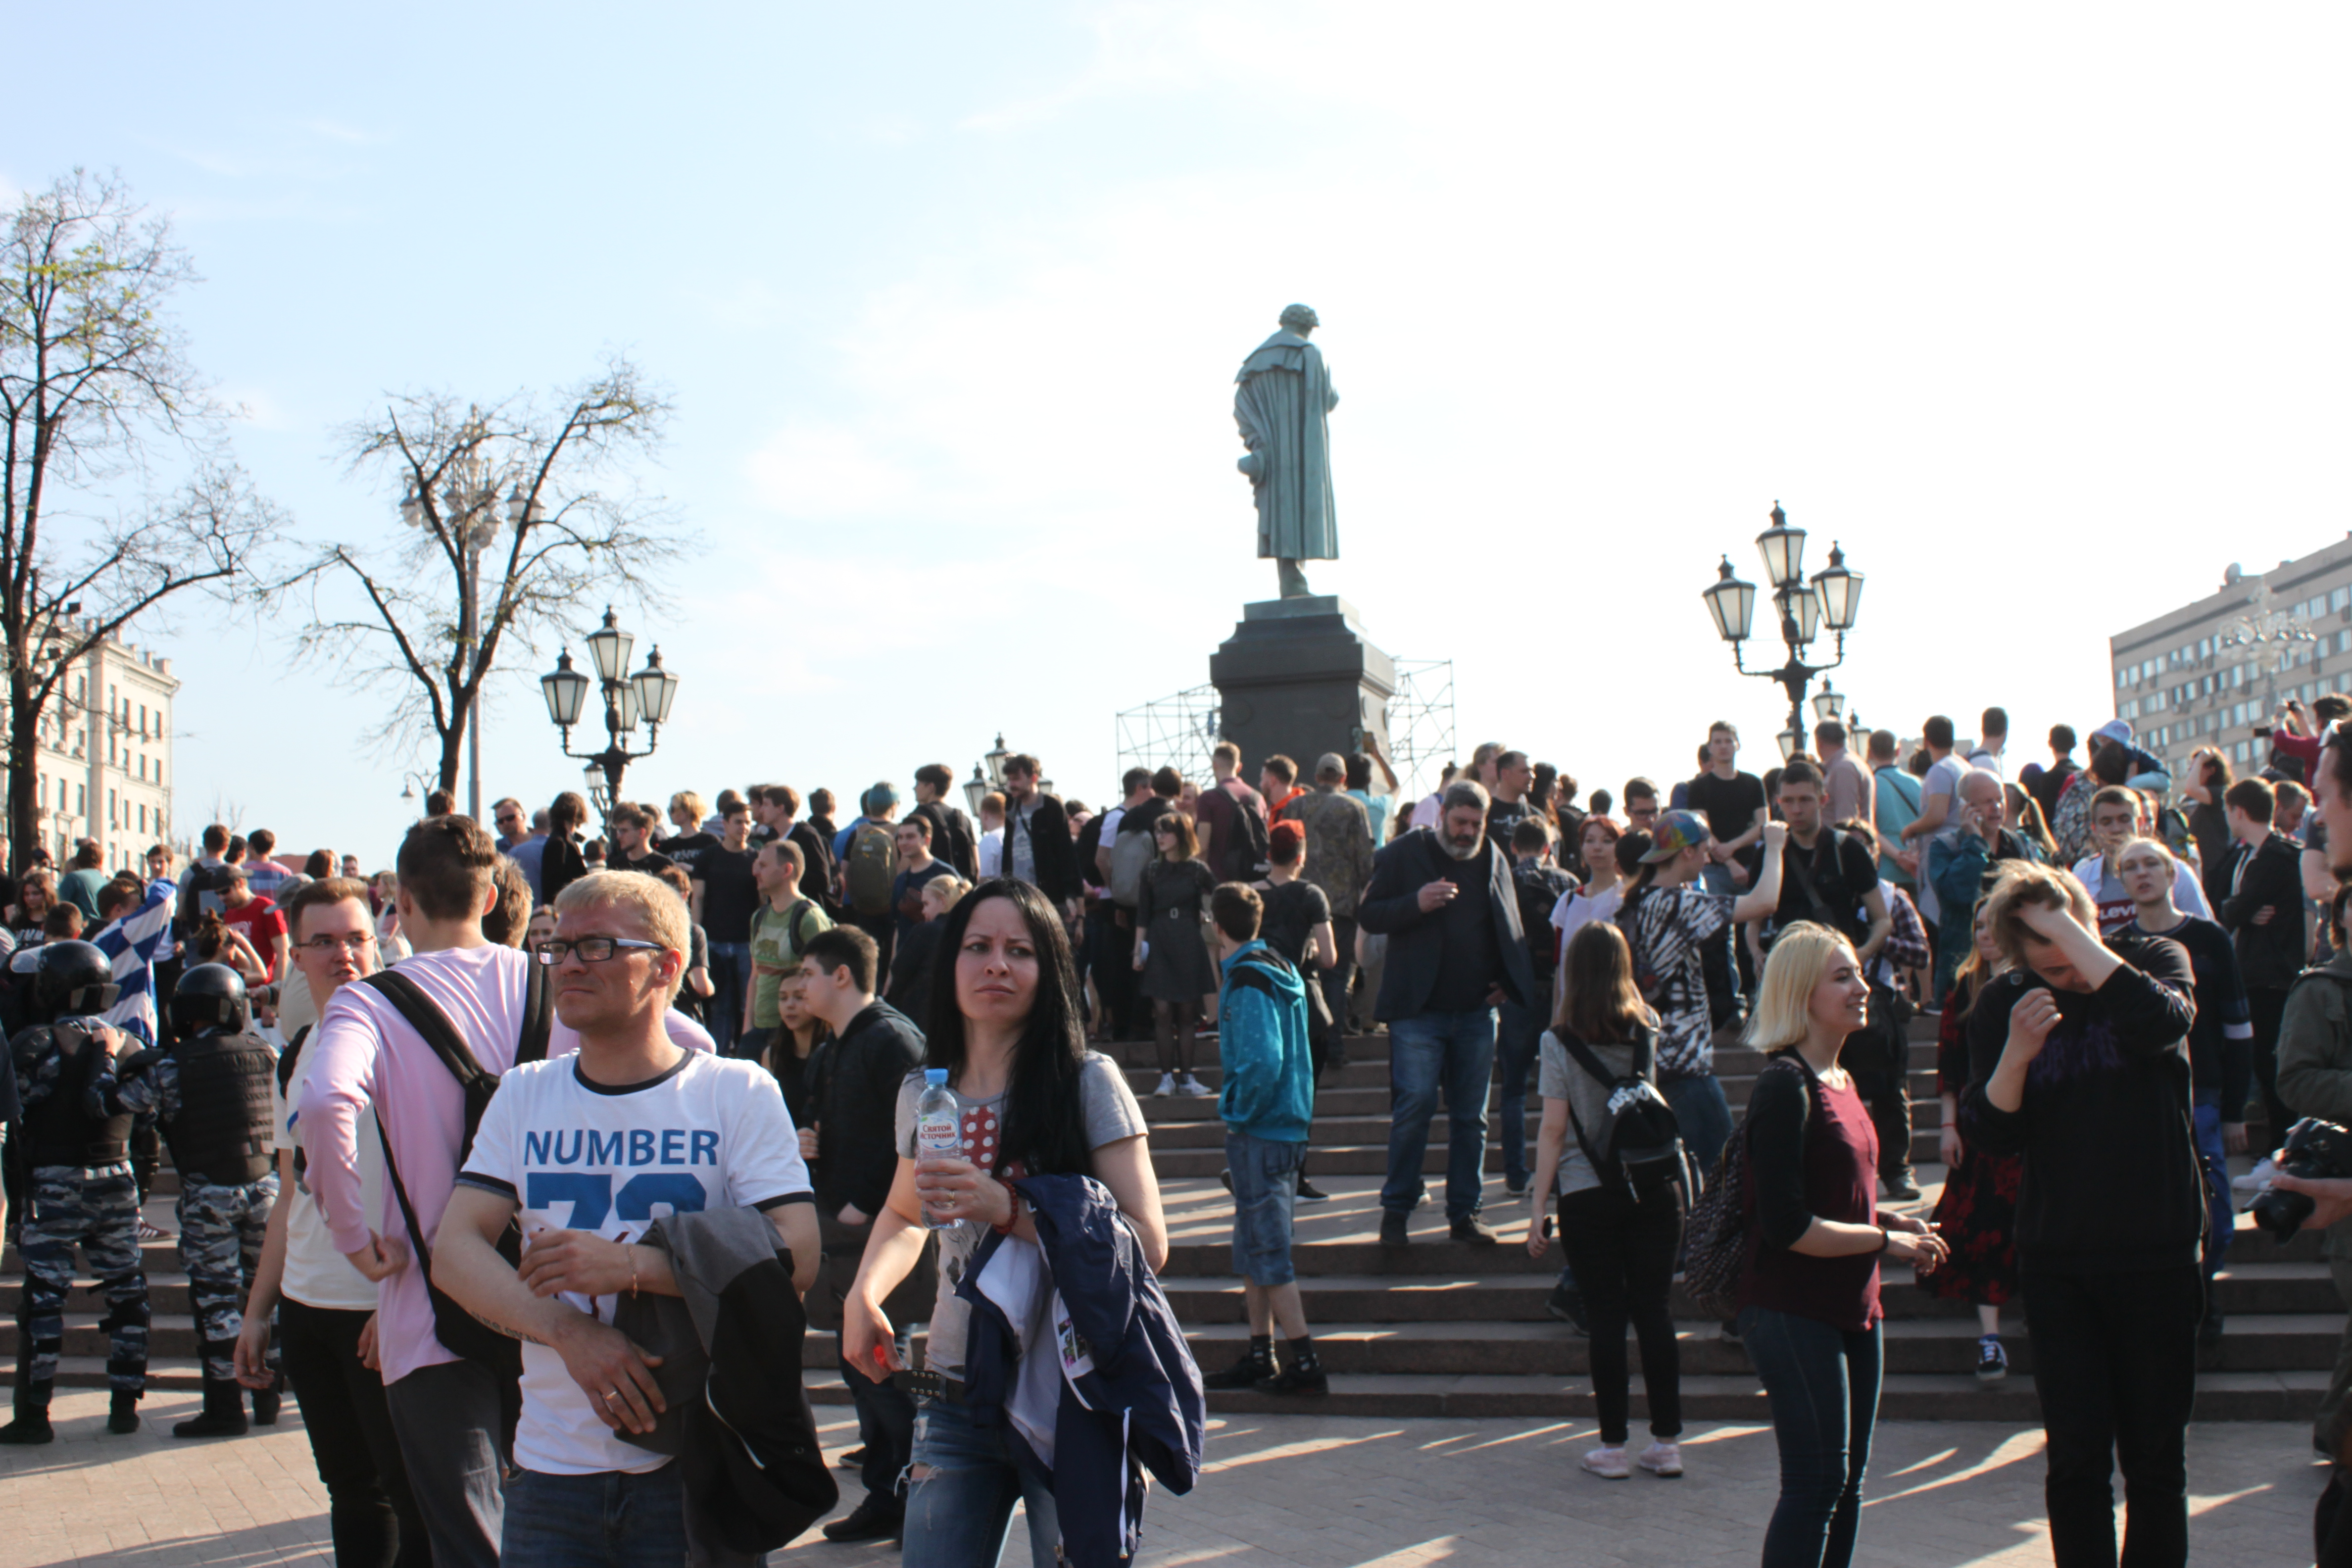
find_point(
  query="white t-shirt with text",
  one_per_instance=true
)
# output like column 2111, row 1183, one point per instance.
column 576, row 1155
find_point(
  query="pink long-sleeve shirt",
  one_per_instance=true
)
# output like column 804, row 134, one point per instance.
column 367, row 1058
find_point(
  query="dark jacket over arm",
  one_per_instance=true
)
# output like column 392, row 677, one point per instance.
column 2112, row 1182
column 1057, row 852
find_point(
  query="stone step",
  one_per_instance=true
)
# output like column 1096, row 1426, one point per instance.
column 2247, row 1295
column 1373, row 1158
column 1904, row 1396
column 89, row 1372
column 1329, row 1127
column 1374, row 1101
column 1734, row 1068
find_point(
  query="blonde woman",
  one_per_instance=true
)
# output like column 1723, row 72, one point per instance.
column 1809, row 1308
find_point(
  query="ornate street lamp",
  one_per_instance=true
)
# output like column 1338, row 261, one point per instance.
column 987, row 776
column 1832, row 599
column 628, row 699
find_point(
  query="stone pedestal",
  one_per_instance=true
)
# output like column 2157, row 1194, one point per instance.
column 1299, row 676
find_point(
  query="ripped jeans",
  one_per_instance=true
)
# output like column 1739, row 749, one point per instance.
column 958, row 1514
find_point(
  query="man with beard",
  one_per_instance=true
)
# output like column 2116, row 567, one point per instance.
column 1446, row 902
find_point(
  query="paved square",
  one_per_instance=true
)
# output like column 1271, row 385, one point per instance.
column 1317, row 1493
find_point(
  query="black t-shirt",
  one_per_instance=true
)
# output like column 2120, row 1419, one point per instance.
column 1502, row 817
column 1472, row 960
column 816, row 861
column 728, row 892
column 685, row 849
column 1089, row 841
column 1841, row 885
column 651, row 865
column 1293, row 911
column 1730, row 806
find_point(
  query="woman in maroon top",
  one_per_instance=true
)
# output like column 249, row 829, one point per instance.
column 1809, row 1295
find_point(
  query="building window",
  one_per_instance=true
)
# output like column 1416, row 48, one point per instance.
column 81, row 800
column 142, row 816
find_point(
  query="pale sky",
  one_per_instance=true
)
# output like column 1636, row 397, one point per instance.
column 2040, row 312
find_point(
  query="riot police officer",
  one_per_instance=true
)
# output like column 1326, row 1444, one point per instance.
column 211, row 1095
column 82, row 1191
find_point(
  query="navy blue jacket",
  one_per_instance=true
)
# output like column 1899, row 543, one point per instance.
column 1143, row 1406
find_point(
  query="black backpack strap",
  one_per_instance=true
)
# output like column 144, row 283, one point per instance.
column 290, row 1057
column 424, row 1016
column 1581, row 1054
column 538, row 1014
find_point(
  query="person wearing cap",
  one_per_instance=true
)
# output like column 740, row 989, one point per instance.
column 1339, row 861
column 1445, row 901
column 2141, row 770
column 1670, row 918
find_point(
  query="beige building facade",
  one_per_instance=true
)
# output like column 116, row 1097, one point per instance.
column 2211, row 672
column 105, row 765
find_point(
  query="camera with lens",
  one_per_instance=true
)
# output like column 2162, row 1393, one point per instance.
column 2315, row 1150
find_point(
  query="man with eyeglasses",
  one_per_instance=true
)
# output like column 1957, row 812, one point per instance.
column 1640, row 804
column 453, row 1417
column 583, row 1153
column 326, row 1340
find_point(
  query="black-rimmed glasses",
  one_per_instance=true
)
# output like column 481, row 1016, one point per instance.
column 356, row 942
column 591, row 949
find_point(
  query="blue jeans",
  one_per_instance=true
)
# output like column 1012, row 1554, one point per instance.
column 957, row 1515
column 730, row 966
column 1822, row 1385
column 2216, row 1160
column 1454, row 1052
column 1703, row 1114
column 610, row 1519
column 1265, row 1190
column 1515, row 1052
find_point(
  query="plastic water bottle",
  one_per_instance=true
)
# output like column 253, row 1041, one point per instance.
column 939, row 1130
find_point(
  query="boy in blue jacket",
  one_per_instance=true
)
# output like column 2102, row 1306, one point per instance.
column 1267, row 1101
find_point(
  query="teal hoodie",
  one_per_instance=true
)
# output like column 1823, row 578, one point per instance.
column 1269, row 1088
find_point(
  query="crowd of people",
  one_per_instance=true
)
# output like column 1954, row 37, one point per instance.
column 496, row 1156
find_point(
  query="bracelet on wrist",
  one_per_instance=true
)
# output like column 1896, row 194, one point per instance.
column 1885, row 1239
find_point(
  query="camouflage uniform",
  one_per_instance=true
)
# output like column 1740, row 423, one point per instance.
column 221, row 1226
column 96, row 1207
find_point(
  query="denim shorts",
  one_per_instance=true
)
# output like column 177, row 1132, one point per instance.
column 1265, row 1187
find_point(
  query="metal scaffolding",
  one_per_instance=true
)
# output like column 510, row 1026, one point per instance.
column 1176, row 732
column 1180, row 730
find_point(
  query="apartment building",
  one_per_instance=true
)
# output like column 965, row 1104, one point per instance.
column 2211, row 672
column 105, row 769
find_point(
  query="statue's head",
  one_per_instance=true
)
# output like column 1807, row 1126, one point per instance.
column 1299, row 319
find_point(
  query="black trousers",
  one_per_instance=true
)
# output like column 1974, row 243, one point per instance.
column 2268, row 1009
column 1336, row 977
column 1112, row 942
column 1623, row 1253
column 370, row 1511
column 2114, row 1363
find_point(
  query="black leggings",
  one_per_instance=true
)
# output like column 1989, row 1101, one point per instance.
column 1623, row 1254
column 1175, row 1023
column 370, row 1513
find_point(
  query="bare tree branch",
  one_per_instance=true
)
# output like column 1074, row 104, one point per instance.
column 93, row 377
column 542, row 493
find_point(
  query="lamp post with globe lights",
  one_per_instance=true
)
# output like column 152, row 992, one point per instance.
column 1831, row 600
column 627, row 700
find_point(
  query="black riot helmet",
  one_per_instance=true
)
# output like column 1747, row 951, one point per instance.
column 68, row 980
column 209, row 998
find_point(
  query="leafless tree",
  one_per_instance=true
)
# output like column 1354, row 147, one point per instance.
column 97, row 392
column 524, row 517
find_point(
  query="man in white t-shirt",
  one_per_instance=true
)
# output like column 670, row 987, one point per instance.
column 1940, row 804
column 587, row 1151
column 325, row 1307
column 372, row 1070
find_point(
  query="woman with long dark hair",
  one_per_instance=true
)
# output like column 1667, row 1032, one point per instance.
column 562, row 863
column 1008, row 1024
column 1620, row 1246
column 1809, row 1307
column 1172, row 951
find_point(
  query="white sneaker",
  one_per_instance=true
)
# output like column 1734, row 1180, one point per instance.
column 1608, row 1464
column 1166, row 1086
column 2257, row 1180
column 1191, row 1088
column 1662, row 1459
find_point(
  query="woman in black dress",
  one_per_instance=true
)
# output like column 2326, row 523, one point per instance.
column 1170, row 950
column 1978, row 1209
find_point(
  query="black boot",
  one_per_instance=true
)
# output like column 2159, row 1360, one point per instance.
column 265, row 1402
column 223, row 1413
column 1254, row 1368
column 32, row 1423
column 122, row 1414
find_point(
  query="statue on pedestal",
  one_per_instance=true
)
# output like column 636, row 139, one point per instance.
column 1282, row 402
